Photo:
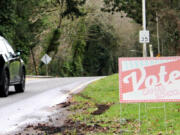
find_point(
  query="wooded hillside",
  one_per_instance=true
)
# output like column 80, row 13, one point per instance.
column 85, row 37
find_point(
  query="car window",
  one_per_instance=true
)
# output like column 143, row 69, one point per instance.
column 8, row 46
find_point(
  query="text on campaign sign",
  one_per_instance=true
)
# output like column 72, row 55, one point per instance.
column 149, row 79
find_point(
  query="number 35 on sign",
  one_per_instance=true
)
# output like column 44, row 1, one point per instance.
column 144, row 36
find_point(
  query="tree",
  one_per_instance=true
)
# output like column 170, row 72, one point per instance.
column 8, row 19
column 166, row 10
column 133, row 8
column 101, row 43
column 66, row 8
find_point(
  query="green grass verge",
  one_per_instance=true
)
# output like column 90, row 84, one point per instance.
column 126, row 120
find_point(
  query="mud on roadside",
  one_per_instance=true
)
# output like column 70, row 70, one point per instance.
column 53, row 125
column 60, row 123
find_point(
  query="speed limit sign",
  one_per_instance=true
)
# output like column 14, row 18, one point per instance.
column 144, row 36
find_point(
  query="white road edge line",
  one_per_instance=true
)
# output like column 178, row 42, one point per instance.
column 61, row 99
column 83, row 85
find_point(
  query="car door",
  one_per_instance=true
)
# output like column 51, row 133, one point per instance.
column 14, row 64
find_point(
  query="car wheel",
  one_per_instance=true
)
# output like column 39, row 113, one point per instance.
column 21, row 87
column 4, row 88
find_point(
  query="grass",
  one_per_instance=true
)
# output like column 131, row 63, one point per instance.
column 121, row 118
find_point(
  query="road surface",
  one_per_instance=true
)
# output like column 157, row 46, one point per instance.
column 23, row 108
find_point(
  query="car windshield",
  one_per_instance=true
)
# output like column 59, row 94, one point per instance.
column 2, row 46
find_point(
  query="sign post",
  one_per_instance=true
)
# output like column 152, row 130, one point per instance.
column 144, row 28
column 46, row 60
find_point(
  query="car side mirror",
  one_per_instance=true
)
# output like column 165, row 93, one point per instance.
column 18, row 53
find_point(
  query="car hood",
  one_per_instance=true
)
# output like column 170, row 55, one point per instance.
column 1, row 52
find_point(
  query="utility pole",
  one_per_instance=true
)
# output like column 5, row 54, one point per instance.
column 157, row 21
column 144, row 26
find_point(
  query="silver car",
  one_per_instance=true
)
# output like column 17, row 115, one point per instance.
column 12, row 69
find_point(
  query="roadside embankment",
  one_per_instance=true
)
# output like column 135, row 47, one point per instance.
column 96, row 111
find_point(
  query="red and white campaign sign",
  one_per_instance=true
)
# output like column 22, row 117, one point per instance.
column 149, row 79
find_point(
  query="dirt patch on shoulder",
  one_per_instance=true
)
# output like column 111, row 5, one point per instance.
column 80, row 128
column 101, row 109
column 69, row 127
column 47, row 129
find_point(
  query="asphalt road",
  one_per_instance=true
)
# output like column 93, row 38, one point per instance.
column 40, row 93
column 35, row 86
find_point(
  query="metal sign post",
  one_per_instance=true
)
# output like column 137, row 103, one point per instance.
column 144, row 26
column 46, row 59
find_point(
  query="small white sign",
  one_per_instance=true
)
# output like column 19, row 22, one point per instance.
column 46, row 59
column 144, row 36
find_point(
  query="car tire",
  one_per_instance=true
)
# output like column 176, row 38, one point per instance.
column 21, row 87
column 4, row 88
